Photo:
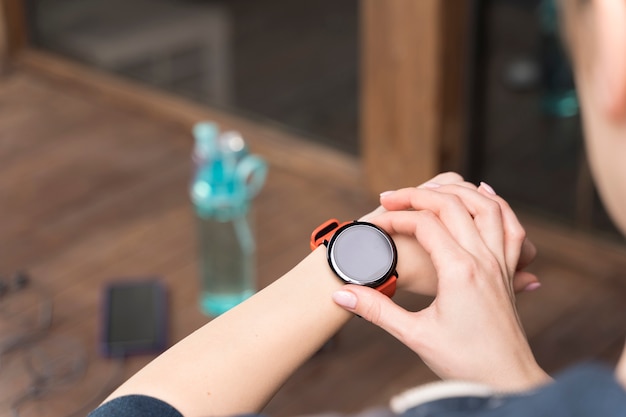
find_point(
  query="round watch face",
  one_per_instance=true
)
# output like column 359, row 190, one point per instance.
column 361, row 253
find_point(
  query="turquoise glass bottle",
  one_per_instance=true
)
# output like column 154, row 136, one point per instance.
column 222, row 192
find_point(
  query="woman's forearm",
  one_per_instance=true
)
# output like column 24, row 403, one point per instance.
column 235, row 363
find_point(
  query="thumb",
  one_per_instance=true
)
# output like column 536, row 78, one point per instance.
column 376, row 308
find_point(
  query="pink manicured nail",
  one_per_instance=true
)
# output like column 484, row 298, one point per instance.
column 488, row 188
column 532, row 286
column 345, row 299
column 386, row 193
column 430, row 185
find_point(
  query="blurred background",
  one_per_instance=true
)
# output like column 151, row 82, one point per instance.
column 343, row 99
column 294, row 63
column 297, row 64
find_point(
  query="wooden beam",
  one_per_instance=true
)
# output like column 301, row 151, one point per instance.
column 411, row 90
column 13, row 31
column 15, row 25
column 4, row 43
column 454, row 70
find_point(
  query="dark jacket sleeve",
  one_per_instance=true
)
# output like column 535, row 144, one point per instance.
column 135, row 406
column 585, row 390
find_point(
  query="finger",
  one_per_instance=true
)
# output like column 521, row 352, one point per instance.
column 450, row 178
column 525, row 281
column 449, row 258
column 378, row 309
column 454, row 201
column 447, row 178
column 449, row 207
column 443, row 178
column 487, row 215
column 514, row 234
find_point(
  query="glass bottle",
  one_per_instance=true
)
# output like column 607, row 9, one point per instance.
column 222, row 192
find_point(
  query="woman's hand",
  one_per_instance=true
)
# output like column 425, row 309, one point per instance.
column 471, row 331
column 415, row 268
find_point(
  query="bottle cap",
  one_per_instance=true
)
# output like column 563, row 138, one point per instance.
column 206, row 138
column 229, row 179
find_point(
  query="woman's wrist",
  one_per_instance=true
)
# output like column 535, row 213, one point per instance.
column 526, row 376
column 536, row 376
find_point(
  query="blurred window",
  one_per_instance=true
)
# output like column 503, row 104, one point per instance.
column 292, row 62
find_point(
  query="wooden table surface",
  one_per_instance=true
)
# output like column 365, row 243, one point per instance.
column 92, row 190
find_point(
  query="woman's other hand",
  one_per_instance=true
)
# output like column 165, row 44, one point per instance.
column 471, row 331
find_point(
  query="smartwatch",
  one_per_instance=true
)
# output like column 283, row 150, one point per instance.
column 359, row 253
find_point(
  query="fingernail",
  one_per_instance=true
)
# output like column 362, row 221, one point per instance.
column 488, row 188
column 430, row 185
column 386, row 193
column 532, row 286
column 345, row 299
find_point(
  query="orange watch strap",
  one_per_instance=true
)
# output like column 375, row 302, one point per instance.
column 322, row 235
column 324, row 231
column 388, row 287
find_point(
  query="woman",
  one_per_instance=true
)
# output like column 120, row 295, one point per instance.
column 460, row 242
